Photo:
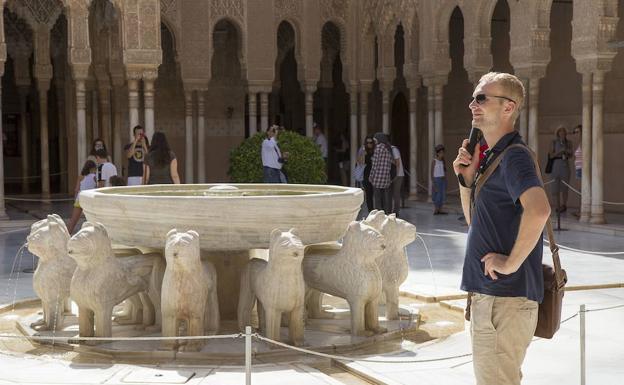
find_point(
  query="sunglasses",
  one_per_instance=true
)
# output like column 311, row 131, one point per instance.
column 482, row 98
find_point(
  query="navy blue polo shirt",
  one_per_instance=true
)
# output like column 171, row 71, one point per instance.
column 495, row 224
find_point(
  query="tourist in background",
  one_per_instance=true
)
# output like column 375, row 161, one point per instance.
column 368, row 149
column 97, row 144
column 161, row 165
column 272, row 158
column 321, row 141
column 438, row 176
column 397, row 182
column 380, row 173
column 86, row 181
column 578, row 157
column 105, row 169
column 135, row 153
column 561, row 152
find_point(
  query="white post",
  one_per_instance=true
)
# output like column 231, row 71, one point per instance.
column 81, row 123
column 439, row 129
column 413, row 163
column 582, row 321
column 586, row 148
column 597, row 208
column 247, row 355
column 524, row 115
column 431, row 133
column 533, row 114
column 148, row 103
column 264, row 111
column 133, row 104
column 353, row 134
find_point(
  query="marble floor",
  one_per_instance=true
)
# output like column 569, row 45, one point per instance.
column 435, row 260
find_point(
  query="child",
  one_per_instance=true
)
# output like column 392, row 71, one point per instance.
column 438, row 176
column 86, row 181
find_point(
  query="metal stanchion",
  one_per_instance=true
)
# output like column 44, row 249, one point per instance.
column 582, row 322
column 559, row 211
column 247, row 355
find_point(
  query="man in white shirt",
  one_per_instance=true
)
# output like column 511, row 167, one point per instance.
column 272, row 158
column 397, row 182
column 105, row 168
column 321, row 141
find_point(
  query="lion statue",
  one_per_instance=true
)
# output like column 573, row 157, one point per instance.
column 101, row 280
column 189, row 291
column 393, row 262
column 278, row 286
column 351, row 273
column 48, row 241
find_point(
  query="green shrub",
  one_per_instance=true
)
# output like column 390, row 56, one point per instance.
column 305, row 164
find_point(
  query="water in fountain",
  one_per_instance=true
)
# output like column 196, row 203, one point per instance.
column 15, row 270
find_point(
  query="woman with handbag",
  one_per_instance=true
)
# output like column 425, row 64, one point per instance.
column 560, row 154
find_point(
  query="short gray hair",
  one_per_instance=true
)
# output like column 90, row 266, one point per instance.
column 511, row 85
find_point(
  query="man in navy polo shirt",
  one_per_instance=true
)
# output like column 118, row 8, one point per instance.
column 503, row 262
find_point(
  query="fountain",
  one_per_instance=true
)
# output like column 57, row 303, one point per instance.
column 228, row 224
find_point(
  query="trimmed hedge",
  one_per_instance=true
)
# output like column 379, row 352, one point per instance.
column 305, row 164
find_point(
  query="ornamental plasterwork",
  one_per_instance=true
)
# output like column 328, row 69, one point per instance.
column 285, row 9
column 37, row 11
column 234, row 9
column 334, row 9
column 18, row 35
column 381, row 13
column 169, row 11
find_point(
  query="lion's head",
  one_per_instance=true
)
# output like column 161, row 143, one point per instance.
column 48, row 238
column 285, row 246
column 398, row 232
column 91, row 245
column 182, row 248
column 363, row 241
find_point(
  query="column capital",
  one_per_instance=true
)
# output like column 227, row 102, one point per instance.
column 134, row 74
column 530, row 71
column 365, row 86
column 150, row 74
column 309, row 86
column 435, row 80
column 80, row 71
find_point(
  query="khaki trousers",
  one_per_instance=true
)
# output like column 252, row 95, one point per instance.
column 501, row 329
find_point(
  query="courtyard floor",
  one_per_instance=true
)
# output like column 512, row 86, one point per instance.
column 595, row 279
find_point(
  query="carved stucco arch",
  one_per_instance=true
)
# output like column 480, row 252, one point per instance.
column 240, row 38
column 443, row 17
column 344, row 53
column 173, row 29
column 295, row 24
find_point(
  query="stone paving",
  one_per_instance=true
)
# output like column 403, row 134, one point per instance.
column 436, row 275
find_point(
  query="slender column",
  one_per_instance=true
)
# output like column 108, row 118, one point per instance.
column 309, row 110
column 24, row 141
column 597, row 209
column 253, row 114
column 385, row 106
column 439, row 129
column 524, row 115
column 43, row 85
column 81, row 122
column 117, row 103
column 95, row 114
column 3, row 214
column 413, row 162
column 105, row 114
column 364, row 92
column 63, row 132
column 188, row 164
column 201, row 138
column 431, row 131
column 133, row 103
column 353, row 132
column 533, row 111
column 264, row 111
column 586, row 147
column 148, row 102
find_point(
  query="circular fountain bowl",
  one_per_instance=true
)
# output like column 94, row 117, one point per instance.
column 226, row 216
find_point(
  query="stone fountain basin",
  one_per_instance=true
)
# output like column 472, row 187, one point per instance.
column 227, row 217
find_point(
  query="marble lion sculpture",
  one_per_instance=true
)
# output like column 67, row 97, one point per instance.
column 351, row 273
column 189, row 291
column 101, row 280
column 278, row 286
column 48, row 240
column 393, row 262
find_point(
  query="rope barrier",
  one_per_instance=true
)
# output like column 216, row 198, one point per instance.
column 112, row 339
column 580, row 194
column 32, row 176
column 352, row 359
column 442, row 235
column 587, row 251
column 39, row 200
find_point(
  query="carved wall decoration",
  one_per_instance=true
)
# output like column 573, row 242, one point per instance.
column 288, row 9
column 37, row 11
column 334, row 9
column 18, row 35
column 234, row 9
column 169, row 12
